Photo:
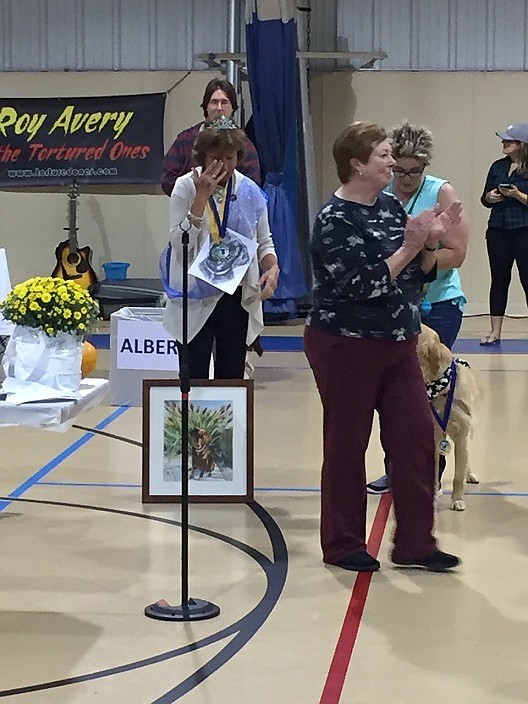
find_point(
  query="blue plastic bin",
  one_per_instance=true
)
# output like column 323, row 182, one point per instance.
column 116, row 271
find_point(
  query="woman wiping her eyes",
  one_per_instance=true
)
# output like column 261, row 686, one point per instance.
column 231, row 253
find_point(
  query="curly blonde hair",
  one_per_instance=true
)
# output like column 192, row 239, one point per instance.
column 412, row 141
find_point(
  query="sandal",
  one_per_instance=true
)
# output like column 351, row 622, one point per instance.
column 487, row 341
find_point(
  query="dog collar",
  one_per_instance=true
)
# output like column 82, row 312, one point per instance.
column 435, row 387
column 444, row 420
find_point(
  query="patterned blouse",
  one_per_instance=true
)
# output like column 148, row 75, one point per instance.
column 353, row 292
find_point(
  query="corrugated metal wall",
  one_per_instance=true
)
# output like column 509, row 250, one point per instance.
column 120, row 35
column 458, row 35
column 114, row 35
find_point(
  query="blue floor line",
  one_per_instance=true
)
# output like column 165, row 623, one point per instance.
column 109, row 485
column 304, row 489
column 99, row 340
column 47, row 468
column 473, row 346
column 295, row 343
column 490, row 493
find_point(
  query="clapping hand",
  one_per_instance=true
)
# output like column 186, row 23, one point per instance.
column 430, row 226
column 443, row 222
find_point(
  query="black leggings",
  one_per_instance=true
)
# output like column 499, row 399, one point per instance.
column 227, row 327
column 504, row 248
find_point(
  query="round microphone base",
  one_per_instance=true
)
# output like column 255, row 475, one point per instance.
column 192, row 610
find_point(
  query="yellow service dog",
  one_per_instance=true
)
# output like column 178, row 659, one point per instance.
column 438, row 368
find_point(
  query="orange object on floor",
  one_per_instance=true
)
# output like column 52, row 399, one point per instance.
column 89, row 359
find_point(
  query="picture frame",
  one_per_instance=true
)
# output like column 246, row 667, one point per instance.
column 221, row 441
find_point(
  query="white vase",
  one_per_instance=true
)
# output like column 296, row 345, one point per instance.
column 33, row 356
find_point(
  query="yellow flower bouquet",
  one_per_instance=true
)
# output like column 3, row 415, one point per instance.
column 50, row 316
column 51, row 305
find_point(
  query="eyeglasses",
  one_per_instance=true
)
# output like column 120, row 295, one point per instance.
column 418, row 171
column 220, row 103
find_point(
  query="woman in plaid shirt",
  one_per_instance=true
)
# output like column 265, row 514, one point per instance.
column 219, row 100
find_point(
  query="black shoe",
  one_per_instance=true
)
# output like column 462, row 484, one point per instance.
column 358, row 562
column 437, row 561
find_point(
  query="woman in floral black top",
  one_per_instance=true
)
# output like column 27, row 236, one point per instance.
column 370, row 262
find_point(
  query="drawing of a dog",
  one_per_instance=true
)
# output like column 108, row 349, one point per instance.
column 202, row 458
column 435, row 362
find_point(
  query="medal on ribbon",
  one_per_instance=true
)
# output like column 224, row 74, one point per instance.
column 444, row 446
column 219, row 219
column 220, row 252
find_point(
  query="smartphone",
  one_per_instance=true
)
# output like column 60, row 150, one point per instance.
column 505, row 185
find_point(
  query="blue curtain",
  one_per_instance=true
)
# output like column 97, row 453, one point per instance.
column 272, row 73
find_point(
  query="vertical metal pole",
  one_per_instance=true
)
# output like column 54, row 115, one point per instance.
column 232, row 41
column 190, row 609
column 185, row 387
column 306, row 117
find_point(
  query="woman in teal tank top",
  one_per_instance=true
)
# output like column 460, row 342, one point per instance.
column 412, row 149
column 444, row 300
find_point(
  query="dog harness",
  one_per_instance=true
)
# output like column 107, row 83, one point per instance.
column 435, row 389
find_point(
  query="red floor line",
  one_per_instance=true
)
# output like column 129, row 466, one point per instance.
column 337, row 672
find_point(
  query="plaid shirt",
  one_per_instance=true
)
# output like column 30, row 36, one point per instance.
column 509, row 214
column 179, row 159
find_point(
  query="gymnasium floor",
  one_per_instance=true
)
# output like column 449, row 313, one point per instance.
column 81, row 557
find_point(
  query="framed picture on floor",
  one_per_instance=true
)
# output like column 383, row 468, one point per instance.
column 220, row 442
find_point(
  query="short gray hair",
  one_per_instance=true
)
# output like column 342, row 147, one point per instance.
column 412, row 141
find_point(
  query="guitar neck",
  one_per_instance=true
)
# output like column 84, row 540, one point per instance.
column 72, row 218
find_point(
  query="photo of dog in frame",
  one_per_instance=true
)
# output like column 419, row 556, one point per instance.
column 210, row 441
column 453, row 391
column 217, row 421
column 202, row 458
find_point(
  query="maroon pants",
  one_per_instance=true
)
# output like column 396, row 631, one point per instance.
column 355, row 377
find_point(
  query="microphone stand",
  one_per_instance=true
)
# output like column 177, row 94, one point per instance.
column 190, row 609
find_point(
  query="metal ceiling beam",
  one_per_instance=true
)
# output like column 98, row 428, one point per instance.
column 361, row 59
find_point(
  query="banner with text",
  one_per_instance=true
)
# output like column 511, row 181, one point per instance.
column 105, row 140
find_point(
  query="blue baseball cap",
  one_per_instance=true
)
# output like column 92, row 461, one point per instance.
column 518, row 132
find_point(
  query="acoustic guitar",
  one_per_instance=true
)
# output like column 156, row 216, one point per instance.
column 73, row 262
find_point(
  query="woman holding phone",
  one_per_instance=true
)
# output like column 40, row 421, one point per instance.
column 506, row 194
